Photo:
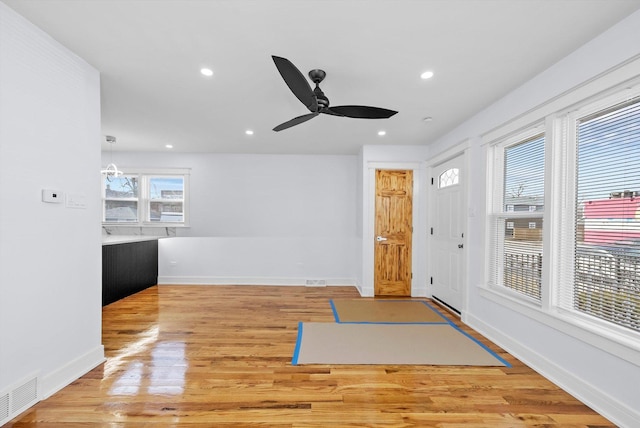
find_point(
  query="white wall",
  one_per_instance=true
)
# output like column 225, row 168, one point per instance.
column 607, row 383
column 269, row 219
column 50, row 281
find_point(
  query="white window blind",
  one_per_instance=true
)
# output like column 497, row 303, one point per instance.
column 517, row 221
column 606, row 258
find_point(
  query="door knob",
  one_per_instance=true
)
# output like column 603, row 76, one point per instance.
column 460, row 245
column 380, row 238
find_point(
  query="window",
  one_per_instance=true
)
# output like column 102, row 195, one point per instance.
column 606, row 265
column 121, row 199
column 146, row 198
column 517, row 218
column 166, row 199
column 448, row 178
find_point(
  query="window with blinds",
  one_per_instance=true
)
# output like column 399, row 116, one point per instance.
column 607, row 222
column 563, row 216
column 517, row 222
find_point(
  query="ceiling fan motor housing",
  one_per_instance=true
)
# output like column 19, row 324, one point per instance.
column 321, row 98
column 317, row 75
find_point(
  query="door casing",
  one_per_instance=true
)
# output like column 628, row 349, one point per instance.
column 418, row 253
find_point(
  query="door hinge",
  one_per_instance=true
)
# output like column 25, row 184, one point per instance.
column 431, row 280
column 411, row 275
column 432, row 230
column 432, row 181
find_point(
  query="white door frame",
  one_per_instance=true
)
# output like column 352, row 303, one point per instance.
column 460, row 149
column 418, row 246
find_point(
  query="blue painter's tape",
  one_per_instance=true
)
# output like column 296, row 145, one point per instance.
column 445, row 320
column 335, row 311
column 394, row 323
column 499, row 358
column 435, row 310
column 296, row 352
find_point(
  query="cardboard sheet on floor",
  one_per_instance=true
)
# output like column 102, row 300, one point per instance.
column 429, row 344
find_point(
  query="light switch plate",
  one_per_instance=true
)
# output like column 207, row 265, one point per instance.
column 76, row 200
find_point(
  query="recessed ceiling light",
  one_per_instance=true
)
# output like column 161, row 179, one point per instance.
column 382, row 133
column 206, row 72
column 248, row 132
column 169, row 146
column 426, row 75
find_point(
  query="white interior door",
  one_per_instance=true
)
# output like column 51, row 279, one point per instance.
column 447, row 244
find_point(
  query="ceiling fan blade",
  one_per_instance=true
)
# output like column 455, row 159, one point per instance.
column 363, row 112
column 296, row 81
column 295, row 121
column 331, row 112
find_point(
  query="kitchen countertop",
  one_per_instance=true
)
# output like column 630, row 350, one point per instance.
column 125, row 239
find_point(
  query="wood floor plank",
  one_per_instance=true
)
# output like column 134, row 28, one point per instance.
column 220, row 356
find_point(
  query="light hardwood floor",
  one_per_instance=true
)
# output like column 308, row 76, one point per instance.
column 220, row 356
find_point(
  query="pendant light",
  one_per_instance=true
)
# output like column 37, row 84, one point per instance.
column 111, row 170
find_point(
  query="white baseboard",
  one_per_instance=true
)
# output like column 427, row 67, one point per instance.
column 602, row 403
column 419, row 292
column 370, row 292
column 216, row 280
column 54, row 381
column 366, row 292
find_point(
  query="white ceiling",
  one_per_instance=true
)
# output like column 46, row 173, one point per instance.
column 149, row 53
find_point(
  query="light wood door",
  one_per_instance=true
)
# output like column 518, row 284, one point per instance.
column 447, row 255
column 393, row 229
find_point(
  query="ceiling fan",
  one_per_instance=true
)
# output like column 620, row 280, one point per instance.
column 315, row 100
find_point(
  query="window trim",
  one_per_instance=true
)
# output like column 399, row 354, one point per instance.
column 144, row 175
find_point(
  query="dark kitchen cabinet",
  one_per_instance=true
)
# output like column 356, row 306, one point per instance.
column 128, row 268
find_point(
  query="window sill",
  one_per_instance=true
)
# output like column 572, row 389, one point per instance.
column 621, row 346
column 145, row 225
